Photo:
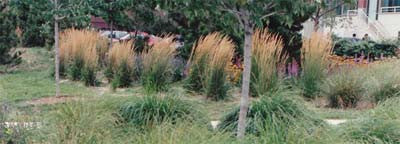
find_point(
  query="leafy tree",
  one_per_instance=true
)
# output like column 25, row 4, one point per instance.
column 8, row 37
column 326, row 7
column 251, row 13
column 33, row 18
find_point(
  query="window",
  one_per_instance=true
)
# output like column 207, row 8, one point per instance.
column 390, row 3
column 390, row 6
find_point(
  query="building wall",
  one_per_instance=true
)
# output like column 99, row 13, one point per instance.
column 391, row 22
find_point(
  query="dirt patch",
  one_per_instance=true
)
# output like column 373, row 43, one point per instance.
column 51, row 100
column 362, row 105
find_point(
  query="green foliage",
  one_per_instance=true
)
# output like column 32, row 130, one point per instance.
column 8, row 38
column 387, row 90
column 75, row 68
column 76, row 122
column 156, row 80
column 345, row 47
column 194, row 80
column 88, row 75
column 383, row 81
column 216, row 85
column 35, row 18
column 153, row 109
column 275, row 114
column 374, row 131
column 343, row 90
column 122, row 77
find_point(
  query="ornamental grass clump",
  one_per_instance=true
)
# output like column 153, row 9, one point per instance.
column 266, row 62
column 156, row 109
column 314, row 53
column 157, row 65
column 121, row 63
column 344, row 89
column 210, row 58
column 276, row 114
column 79, row 54
column 379, row 125
column 383, row 81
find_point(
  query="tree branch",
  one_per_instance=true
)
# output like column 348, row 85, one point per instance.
column 332, row 9
column 268, row 15
column 233, row 11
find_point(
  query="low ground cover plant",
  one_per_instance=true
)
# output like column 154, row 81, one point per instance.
column 154, row 110
column 380, row 125
column 275, row 114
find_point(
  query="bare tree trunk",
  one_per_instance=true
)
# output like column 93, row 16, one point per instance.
column 111, row 36
column 316, row 24
column 244, row 101
column 57, row 50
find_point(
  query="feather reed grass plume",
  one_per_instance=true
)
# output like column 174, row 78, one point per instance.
column 266, row 62
column 121, row 52
column 314, row 54
column 79, row 54
column 210, row 57
column 76, row 43
column 121, row 63
column 157, row 65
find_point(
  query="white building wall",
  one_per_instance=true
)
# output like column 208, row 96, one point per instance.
column 391, row 22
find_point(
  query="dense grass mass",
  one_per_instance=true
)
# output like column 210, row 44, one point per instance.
column 274, row 114
column 79, row 54
column 209, row 59
column 267, row 63
column 133, row 115
column 121, row 64
column 157, row 65
column 155, row 110
column 314, row 53
column 344, row 89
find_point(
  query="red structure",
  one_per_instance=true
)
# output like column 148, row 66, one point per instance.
column 362, row 3
column 98, row 23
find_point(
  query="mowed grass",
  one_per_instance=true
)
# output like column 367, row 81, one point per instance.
column 32, row 79
column 35, row 84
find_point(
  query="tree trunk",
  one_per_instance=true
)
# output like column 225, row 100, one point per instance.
column 111, row 36
column 244, row 101
column 316, row 24
column 57, row 50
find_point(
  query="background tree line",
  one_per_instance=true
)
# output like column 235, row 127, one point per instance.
column 189, row 18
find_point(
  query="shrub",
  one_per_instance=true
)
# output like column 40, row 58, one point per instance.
column 8, row 39
column 275, row 114
column 266, row 60
column 79, row 54
column 314, row 54
column 77, row 122
column 91, row 62
column 345, row 47
column 343, row 90
column 156, row 110
column 121, row 63
column 387, row 90
column 157, row 65
column 374, row 131
column 210, row 57
column 384, row 81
